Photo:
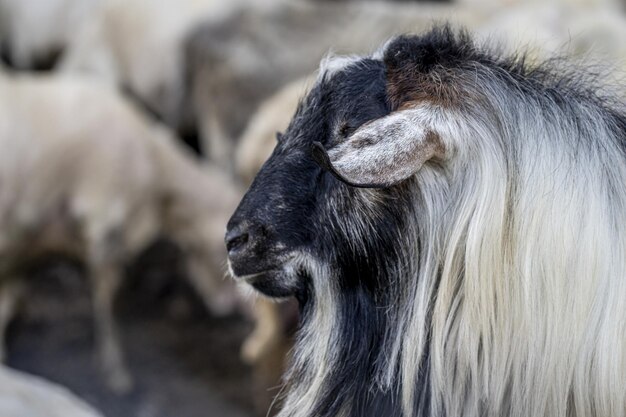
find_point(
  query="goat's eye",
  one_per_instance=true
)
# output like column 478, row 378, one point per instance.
column 279, row 137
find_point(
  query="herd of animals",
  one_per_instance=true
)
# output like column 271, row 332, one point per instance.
column 125, row 120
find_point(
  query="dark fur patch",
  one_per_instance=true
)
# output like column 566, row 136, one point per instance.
column 421, row 68
column 437, row 67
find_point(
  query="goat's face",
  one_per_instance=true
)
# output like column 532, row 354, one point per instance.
column 342, row 209
column 294, row 208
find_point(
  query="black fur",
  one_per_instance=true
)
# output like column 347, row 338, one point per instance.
column 441, row 47
column 293, row 180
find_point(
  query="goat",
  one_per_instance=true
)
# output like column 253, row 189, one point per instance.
column 85, row 174
column 452, row 223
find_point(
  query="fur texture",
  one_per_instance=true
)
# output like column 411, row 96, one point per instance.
column 491, row 282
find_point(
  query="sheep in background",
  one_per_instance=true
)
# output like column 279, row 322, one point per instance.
column 452, row 223
column 235, row 63
column 138, row 44
column 24, row 395
column 84, row 173
column 36, row 32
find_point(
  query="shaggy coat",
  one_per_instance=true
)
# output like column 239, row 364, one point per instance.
column 453, row 225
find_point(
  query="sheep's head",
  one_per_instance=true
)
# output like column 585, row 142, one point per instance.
column 331, row 195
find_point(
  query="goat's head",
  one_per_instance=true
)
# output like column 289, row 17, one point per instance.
column 331, row 193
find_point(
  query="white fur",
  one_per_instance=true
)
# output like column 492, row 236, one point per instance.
column 332, row 64
column 531, row 295
column 315, row 344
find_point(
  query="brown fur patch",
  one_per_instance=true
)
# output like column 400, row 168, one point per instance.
column 407, row 88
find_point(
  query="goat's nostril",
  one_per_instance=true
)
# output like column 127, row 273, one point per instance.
column 235, row 240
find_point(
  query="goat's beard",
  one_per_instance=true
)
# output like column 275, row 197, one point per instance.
column 340, row 364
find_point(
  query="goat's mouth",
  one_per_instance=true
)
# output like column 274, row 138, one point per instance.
column 271, row 284
column 278, row 281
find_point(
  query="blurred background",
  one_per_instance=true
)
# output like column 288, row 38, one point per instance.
column 129, row 130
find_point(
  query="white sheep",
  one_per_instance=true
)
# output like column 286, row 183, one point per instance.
column 139, row 44
column 81, row 171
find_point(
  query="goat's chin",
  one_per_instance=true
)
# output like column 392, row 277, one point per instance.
column 276, row 283
column 290, row 278
column 272, row 284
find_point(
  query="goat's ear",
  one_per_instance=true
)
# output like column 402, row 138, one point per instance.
column 382, row 152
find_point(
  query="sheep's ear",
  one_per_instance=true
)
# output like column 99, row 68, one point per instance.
column 382, row 152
